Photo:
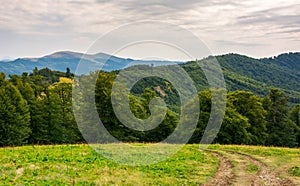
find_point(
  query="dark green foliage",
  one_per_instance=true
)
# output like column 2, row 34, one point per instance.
column 295, row 114
column 205, row 109
column 282, row 131
column 250, row 106
column 31, row 93
column 37, row 108
column 163, row 89
column 257, row 76
column 60, row 122
column 68, row 73
column 50, row 107
column 234, row 128
column 14, row 115
column 271, row 74
column 289, row 61
column 244, row 121
column 139, row 107
column 295, row 117
column 50, row 76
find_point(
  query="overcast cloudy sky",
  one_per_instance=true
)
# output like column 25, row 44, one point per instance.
column 252, row 27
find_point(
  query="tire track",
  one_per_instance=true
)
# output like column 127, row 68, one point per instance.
column 241, row 169
column 264, row 175
column 224, row 175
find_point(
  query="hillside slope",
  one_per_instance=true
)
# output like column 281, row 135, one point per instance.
column 240, row 72
column 256, row 75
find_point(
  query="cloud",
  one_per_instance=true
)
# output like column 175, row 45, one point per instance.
column 229, row 24
column 283, row 19
column 234, row 43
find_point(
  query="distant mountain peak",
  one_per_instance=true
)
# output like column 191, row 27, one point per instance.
column 64, row 54
column 62, row 59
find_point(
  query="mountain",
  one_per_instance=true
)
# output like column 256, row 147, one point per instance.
column 289, row 61
column 240, row 72
column 61, row 60
column 256, row 75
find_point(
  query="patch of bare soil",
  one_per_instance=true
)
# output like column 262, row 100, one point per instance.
column 19, row 173
column 224, row 175
column 160, row 90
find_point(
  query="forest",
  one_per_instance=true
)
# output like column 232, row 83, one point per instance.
column 36, row 108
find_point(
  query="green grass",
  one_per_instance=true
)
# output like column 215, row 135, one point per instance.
column 252, row 168
column 274, row 157
column 81, row 165
column 294, row 171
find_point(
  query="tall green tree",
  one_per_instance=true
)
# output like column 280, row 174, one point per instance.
column 295, row 114
column 250, row 106
column 61, row 97
column 234, row 128
column 165, row 128
column 205, row 109
column 295, row 117
column 14, row 115
column 68, row 73
column 32, row 92
column 282, row 131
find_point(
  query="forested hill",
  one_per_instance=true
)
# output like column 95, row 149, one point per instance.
column 256, row 75
column 282, row 71
column 241, row 72
column 290, row 61
column 36, row 108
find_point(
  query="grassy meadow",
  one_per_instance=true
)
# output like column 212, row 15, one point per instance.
column 81, row 165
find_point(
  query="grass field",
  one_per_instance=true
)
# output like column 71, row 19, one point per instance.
column 81, row 165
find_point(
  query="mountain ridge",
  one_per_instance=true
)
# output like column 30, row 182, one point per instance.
column 61, row 60
column 240, row 71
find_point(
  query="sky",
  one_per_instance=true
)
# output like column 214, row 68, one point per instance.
column 251, row 27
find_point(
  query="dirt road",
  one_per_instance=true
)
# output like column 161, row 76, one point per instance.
column 241, row 169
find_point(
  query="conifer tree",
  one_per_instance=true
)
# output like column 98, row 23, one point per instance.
column 14, row 115
column 282, row 131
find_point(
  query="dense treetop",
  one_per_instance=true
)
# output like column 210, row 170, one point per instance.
column 36, row 108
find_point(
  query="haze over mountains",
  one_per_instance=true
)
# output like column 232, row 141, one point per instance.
column 241, row 72
column 61, row 60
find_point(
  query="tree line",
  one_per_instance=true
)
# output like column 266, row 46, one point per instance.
column 36, row 108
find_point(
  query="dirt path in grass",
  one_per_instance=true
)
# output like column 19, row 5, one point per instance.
column 224, row 175
column 262, row 176
column 243, row 174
